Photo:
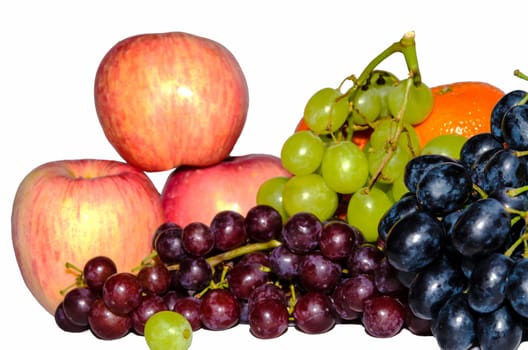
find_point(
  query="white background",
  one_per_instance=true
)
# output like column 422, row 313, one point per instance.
column 50, row 51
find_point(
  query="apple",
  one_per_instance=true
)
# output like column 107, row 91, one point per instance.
column 193, row 194
column 170, row 99
column 73, row 210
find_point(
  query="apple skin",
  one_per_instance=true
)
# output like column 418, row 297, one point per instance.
column 170, row 99
column 74, row 210
column 193, row 194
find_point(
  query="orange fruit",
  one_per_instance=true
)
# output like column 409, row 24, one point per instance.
column 462, row 108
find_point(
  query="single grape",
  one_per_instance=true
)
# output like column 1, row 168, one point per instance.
column 268, row 319
column 228, row 229
column 284, row 263
column 417, row 166
column 106, row 324
column 96, row 271
column 309, row 193
column 76, row 305
column 514, row 126
column 65, row 323
column 367, row 105
column 338, row 240
column 454, row 325
column 301, row 233
column 401, row 208
column 195, row 273
column 419, row 102
column 499, row 110
column 449, row 145
column 386, row 279
column 388, row 168
column 154, row 278
column 168, row 330
column 122, row 293
column 365, row 209
column 189, row 307
column 326, row 111
column 344, row 167
column 318, row 273
column 383, row 316
column 168, row 244
column 197, row 239
column 517, row 288
column 504, row 169
column 263, row 223
column 302, row 152
column 477, row 145
column 500, row 329
column 351, row 293
column 150, row 304
column 365, row 258
column 244, row 278
column 270, row 193
column 219, row 310
column 313, row 313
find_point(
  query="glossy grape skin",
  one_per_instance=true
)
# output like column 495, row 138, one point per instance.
column 197, row 239
column 244, row 278
column 326, row 111
column 488, row 282
column 318, row 273
column 414, row 242
column 285, row 263
column 263, row 222
column 301, row 233
column 432, row 286
column 150, row 304
column 367, row 104
column 168, row 330
column 302, row 152
column 189, row 307
column 383, row 316
column 228, row 229
column 365, row 209
column 416, row 167
column 477, row 145
column 365, row 258
column 500, row 329
column 454, row 325
column 106, row 324
column 270, row 193
column 219, row 310
column 309, row 193
column 478, row 174
column 350, row 293
column 313, row 313
column 517, row 288
column 504, row 169
column 518, row 202
column 338, row 240
column 65, row 323
column 443, row 188
column 168, row 243
column 514, row 126
column 268, row 319
column 401, row 208
column 154, row 278
column 419, row 102
column 501, row 107
column 386, row 279
column 122, row 293
column 76, row 305
column 471, row 234
column 194, row 273
column 97, row 270
column 344, row 167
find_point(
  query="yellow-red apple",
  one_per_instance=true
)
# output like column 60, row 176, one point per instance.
column 73, row 210
column 198, row 193
column 170, row 99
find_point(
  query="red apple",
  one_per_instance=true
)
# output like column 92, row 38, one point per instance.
column 171, row 99
column 73, row 210
column 198, row 193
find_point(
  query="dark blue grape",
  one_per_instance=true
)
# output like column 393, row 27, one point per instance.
column 477, row 170
column 517, row 288
column 504, row 169
column 432, row 286
column 488, row 282
column 501, row 107
column 414, row 242
column 481, row 229
column 416, row 167
column 454, row 326
column 444, row 188
column 477, row 145
column 504, row 195
column 401, row 208
column 501, row 329
column 515, row 128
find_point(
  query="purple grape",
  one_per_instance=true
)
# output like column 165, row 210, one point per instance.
column 263, row 223
column 65, row 323
column 319, row 274
column 150, row 304
column 244, row 278
column 268, row 319
column 267, row 291
column 105, row 324
column 350, row 293
column 168, row 244
column 337, row 240
column 383, row 316
column 313, row 313
column 386, row 279
column 122, row 293
column 228, row 229
column 301, row 232
column 195, row 273
column 76, row 305
column 284, row 263
column 197, row 239
column 365, row 259
column 96, row 271
column 219, row 310
column 154, row 278
column 189, row 307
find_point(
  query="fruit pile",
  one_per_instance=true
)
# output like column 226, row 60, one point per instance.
column 370, row 218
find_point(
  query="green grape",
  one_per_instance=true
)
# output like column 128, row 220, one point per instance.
column 410, row 140
column 366, row 106
column 270, row 193
column 302, row 152
column 344, row 167
column 398, row 188
column 168, row 330
column 447, row 145
column 325, row 112
column 382, row 82
column 394, row 166
column 419, row 102
column 365, row 209
column 309, row 193
column 384, row 130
